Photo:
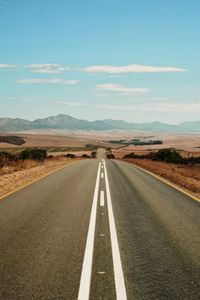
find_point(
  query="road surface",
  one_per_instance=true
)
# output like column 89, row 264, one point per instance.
column 99, row 229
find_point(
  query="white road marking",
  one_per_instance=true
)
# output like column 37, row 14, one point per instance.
column 101, row 272
column 102, row 175
column 84, row 288
column 102, row 198
column 118, row 271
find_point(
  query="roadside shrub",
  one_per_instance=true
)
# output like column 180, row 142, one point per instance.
column 6, row 158
column 71, row 155
column 130, row 155
column 168, row 155
column 110, row 156
column 35, row 154
column 93, row 154
column 192, row 160
column 143, row 156
column 85, row 156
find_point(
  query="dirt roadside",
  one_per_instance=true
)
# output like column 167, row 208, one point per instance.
column 186, row 177
column 14, row 180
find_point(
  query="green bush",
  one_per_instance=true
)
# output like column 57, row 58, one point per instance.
column 130, row 155
column 168, row 155
column 6, row 158
column 35, row 154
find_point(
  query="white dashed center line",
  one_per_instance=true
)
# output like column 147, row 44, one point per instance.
column 118, row 271
column 85, row 282
column 84, row 288
column 102, row 198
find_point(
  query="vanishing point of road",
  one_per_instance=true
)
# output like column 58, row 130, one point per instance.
column 99, row 229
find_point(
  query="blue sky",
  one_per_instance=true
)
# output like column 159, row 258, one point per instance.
column 132, row 60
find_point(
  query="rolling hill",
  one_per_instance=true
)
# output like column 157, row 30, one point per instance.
column 63, row 121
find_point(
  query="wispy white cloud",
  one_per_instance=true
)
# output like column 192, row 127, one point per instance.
column 47, row 81
column 7, row 66
column 193, row 107
column 47, row 68
column 40, row 66
column 47, row 71
column 73, row 104
column 133, row 68
column 112, row 87
column 101, row 95
column 156, row 107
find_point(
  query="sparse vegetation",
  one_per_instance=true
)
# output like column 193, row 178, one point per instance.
column 21, row 168
column 21, row 172
column 16, row 162
column 186, row 176
column 26, row 159
column 166, row 155
column 170, row 164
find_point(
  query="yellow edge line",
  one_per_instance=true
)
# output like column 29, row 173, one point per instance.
column 37, row 179
column 169, row 183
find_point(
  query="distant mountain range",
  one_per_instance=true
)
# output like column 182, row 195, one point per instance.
column 63, row 121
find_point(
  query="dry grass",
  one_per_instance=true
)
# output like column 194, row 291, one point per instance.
column 23, row 172
column 138, row 151
column 187, row 177
column 19, row 166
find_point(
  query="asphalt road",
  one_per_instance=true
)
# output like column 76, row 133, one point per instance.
column 99, row 230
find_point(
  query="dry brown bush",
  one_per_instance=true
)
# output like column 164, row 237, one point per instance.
column 18, row 166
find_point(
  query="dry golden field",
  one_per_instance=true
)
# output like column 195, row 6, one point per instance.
column 67, row 138
column 55, row 141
